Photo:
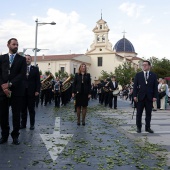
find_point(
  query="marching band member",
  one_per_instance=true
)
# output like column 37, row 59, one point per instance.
column 63, row 94
column 106, row 92
column 57, row 91
column 82, row 88
column 113, row 85
column 102, row 91
column 99, row 90
column 45, row 91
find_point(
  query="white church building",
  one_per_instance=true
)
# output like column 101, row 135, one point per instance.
column 100, row 56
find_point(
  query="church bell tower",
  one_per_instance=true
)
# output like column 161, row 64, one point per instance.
column 101, row 41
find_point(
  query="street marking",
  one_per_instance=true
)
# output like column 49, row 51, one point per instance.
column 56, row 142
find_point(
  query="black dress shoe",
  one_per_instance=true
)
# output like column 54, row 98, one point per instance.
column 83, row 123
column 32, row 127
column 3, row 140
column 22, row 127
column 115, row 108
column 138, row 130
column 15, row 141
column 78, row 124
column 149, row 130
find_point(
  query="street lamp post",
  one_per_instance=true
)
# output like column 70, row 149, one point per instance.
column 36, row 34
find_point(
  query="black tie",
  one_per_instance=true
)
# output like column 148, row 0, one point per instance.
column 146, row 75
column 28, row 71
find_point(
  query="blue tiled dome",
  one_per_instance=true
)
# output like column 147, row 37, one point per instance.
column 124, row 45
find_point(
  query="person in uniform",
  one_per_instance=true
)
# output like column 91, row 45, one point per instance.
column 57, row 92
column 145, row 92
column 32, row 89
column 12, row 72
column 113, row 85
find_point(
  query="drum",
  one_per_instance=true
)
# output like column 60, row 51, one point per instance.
column 116, row 92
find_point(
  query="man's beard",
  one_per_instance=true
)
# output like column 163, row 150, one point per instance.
column 14, row 50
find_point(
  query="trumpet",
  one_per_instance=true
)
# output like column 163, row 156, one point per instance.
column 105, row 88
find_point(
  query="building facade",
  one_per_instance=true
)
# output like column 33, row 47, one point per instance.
column 100, row 56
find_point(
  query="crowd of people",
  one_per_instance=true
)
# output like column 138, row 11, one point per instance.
column 22, row 90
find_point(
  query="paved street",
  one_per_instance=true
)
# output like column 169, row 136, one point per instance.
column 108, row 141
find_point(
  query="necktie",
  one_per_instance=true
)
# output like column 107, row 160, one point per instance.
column 11, row 59
column 28, row 71
column 146, row 76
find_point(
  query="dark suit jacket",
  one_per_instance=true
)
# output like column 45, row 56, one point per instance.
column 142, row 90
column 33, row 81
column 78, row 81
column 17, row 74
column 110, row 85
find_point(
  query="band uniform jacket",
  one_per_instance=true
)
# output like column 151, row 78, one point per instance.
column 142, row 89
column 16, row 76
column 32, row 82
column 111, row 87
column 78, row 81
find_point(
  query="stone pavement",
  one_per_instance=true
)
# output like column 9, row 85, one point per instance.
column 108, row 141
column 160, row 123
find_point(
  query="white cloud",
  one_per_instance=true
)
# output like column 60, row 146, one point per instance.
column 13, row 14
column 68, row 33
column 131, row 9
column 147, row 20
column 147, row 45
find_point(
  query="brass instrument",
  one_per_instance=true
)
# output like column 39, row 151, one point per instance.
column 105, row 87
column 66, row 84
column 45, row 84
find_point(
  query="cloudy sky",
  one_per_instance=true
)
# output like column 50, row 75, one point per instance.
column 145, row 21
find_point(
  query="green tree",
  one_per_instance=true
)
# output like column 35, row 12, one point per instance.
column 61, row 74
column 47, row 73
column 161, row 67
column 124, row 73
column 105, row 75
column 40, row 72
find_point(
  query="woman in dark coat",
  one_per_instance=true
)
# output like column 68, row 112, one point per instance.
column 81, row 90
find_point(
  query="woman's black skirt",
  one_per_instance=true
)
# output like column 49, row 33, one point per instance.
column 81, row 99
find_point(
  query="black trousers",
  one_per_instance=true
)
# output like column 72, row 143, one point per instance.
column 28, row 106
column 102, row 97
column 37, row 99
column 147, row 104
column 57, row 99
column 15, row 102
column 106, row 98
column 45, row 94
column 111, row 97
column 64, row 98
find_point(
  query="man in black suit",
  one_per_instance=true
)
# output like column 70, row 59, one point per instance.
column 113, row 85
column 145, row 93
column 12, row 72
column 32, row 89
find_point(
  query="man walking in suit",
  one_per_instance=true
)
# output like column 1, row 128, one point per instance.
column 113, row 85
column 145, row 93
column 12, row 72
column 32, row 89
